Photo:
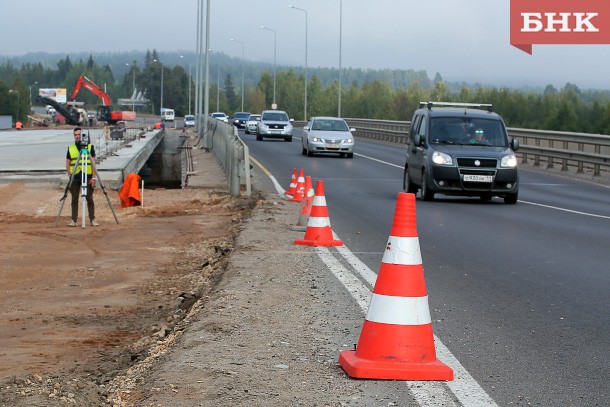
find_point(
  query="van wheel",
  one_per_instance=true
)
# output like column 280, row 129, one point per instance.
column 259, row 137
column 407, row 185
column 426, row 194
column 511, row 199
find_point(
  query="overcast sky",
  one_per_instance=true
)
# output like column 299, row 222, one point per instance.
column 461, row 39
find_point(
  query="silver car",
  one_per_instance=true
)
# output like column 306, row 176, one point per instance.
column 252, row 123
column 274, row 124
column 328, row 135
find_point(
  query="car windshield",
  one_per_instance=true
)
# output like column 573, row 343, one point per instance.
column 254, row 117
column 329, row 125
column 189, row 117
column 276, row 116
column 219, row 115
column 242, row 115
column 467, row 131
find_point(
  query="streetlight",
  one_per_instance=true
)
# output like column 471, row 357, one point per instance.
column 340, row 33
column 242, row 71
column 133, row 86
column 35, row 83
column 154, row 60
column 274, row 57
column 305, row 108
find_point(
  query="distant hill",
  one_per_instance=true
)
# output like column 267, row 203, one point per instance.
column 224, row 64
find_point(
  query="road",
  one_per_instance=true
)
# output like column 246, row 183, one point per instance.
column 518, row 293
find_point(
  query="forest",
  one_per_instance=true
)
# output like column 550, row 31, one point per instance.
column 375, row 94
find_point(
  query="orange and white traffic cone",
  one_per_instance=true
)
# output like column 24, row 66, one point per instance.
column 306, row 204
column 300, row 189
column 319, row 232
column 293, row 184
column 396, row 341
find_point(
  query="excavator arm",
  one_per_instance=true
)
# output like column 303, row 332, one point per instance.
column 91, row 86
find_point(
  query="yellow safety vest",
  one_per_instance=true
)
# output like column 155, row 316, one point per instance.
column 74, row 153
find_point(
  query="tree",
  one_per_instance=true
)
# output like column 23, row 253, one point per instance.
column 230, row 93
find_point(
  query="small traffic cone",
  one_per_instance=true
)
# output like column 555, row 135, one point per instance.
column 306, row 204
column 396, row 341
column 319, row 232
column 293, row 184
column 300, row 189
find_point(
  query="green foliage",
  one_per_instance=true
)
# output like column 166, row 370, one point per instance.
column 376, row 94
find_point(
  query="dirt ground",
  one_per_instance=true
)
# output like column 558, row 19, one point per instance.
column 78, row 306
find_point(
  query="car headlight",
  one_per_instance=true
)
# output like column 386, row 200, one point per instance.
column 262, row 126
column 441, row 158
column 509, row 161
column 347, row 140
column 315, row 139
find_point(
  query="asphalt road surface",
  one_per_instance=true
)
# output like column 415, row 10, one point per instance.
column 520, row 294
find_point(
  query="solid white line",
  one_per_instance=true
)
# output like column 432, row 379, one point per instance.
column 276, row 184
column 379, row 161
column 361, row 293
column 565, row 210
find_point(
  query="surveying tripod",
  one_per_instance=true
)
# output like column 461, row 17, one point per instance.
column 83, row 162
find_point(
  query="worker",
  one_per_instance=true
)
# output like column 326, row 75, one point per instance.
column 18, row 125
column 73, row 152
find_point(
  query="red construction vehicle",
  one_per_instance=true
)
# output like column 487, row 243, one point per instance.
column 104, row 112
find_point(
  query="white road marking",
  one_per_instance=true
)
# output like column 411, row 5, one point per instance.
column 566, row 210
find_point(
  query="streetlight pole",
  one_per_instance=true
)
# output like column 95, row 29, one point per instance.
column 305, row 107
column 217, row 84
column 274, row 59
column 243, row 47
column 35, row 83
column 340, row 70
column 160, row 107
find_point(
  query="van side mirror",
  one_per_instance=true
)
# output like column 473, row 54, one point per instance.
column 514, row 144
column 305, row 128
column 418, row 140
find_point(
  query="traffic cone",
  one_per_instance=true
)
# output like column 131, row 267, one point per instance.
column 396, row 341
column 319, row 232
column 293, row 184
column 300, row 189
column 306, row 204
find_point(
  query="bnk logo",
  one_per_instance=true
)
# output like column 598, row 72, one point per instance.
column 559, row 22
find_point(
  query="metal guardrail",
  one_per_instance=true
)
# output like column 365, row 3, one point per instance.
column 231, row 152
column 583, row 151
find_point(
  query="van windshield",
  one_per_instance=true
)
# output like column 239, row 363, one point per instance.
column 467, row 131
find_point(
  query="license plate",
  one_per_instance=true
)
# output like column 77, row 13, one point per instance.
column 332, row 147
column 478, row 178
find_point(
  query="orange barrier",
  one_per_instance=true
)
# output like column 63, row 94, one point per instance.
column 293, row 184
column 319, row 232
column 130, row 191
column 396, row 341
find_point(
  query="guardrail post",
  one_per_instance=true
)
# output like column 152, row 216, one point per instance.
column 580, row 170
column 596, row 167
column 549, row 163
column 564, row 162
column 537, row 156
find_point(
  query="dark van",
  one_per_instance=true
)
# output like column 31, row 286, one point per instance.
column 460, row 149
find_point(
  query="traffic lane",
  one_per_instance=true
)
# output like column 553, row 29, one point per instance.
column 527, row 299
column 564, row 193
column 481, row 302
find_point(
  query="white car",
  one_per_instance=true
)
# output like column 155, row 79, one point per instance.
column 220, row 116
column 189, row 120
column 252, row 123
column 328, row 135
